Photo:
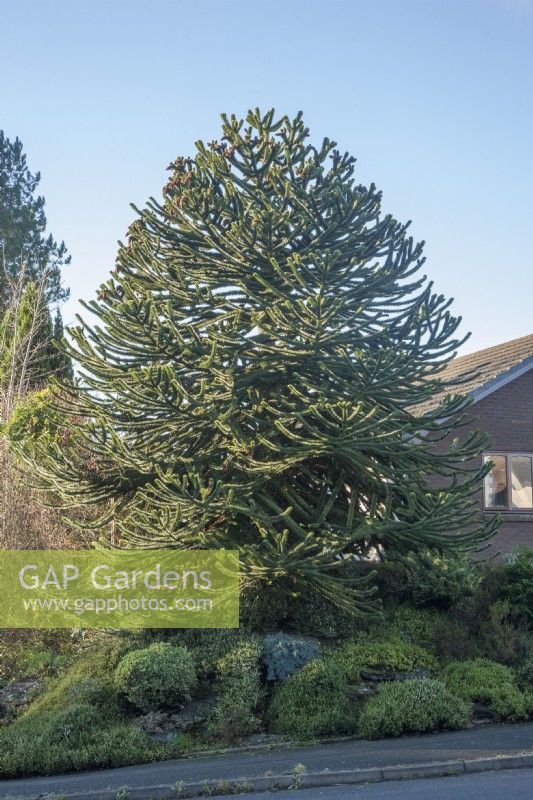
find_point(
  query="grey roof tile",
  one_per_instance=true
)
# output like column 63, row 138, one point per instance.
column 475, row 370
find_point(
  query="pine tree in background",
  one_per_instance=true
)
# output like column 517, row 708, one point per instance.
column 30, row 281
column 23, row 238
column 251, row 379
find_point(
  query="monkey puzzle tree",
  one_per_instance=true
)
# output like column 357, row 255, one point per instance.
column 252, row 377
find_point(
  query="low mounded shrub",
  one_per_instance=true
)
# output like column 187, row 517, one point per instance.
column 73, row 725
column 414, row 706
column 240, row 693
column 284, row 655
column 394, row 655
column 90, row 679
column 156, row 677
column 312, row 702
column 484, row 681
column 45, row 746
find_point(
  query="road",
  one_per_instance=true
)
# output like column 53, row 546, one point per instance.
column 482, row 742
column 515, row 784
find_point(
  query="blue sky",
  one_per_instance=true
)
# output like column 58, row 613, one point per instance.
column 433, row 97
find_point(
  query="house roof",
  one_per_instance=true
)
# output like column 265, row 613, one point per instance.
column 485, row 371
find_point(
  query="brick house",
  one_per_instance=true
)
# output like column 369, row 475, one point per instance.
column 502, row 394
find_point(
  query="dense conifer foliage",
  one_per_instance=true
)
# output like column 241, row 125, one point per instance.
column 253, row 375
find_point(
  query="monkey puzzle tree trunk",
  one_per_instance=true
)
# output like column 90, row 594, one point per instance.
column 252, row 376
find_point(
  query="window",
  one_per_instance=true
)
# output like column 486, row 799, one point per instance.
column 508, row 486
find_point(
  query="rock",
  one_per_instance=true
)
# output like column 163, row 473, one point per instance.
column 163, row 725
column 262, row 739
column 406, row 635
column 377, row 676
column 16, row 695
column 194, row 714
column 360, row 692
column 155, row 722
column 482, row 712
column 409, row 676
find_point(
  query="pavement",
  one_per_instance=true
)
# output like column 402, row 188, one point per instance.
column 517, row 784
column 355, row 761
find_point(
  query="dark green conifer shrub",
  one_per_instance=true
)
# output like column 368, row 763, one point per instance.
column 511, row 581
column 428, row 579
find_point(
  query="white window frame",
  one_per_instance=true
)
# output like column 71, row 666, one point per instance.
column 508, row 455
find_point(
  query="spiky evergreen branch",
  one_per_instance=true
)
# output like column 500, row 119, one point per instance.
column 253, row 379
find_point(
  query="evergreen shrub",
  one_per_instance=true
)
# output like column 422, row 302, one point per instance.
column 415, row 706
column 90, row 690
column 498, row 635
column 74, row 725
column 283, row 655
column 512, row 581
column 428, row 579
column 484, row 681
column 240, row 693
column 312, row 702
column 393, row 654
column 156, row 677
column 418, row 625
column 207, row 647
column 524, row 674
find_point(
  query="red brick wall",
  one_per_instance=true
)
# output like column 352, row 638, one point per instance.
column 507, row 417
